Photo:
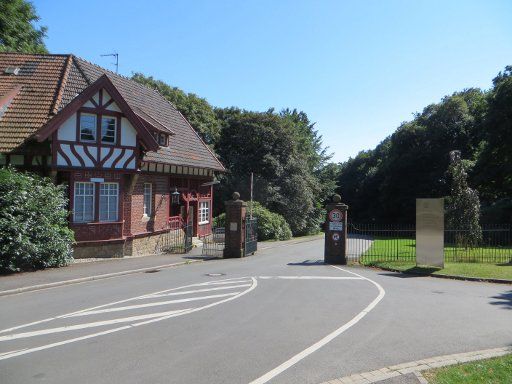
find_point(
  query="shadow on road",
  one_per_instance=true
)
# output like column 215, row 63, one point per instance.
column 309, row 263
column 401, row 275
column 504, row 299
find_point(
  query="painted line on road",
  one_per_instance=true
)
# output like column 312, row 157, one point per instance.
column 148, row 305
column 75, row 327
column 12, row 354
column 56, row 284
column 319, row 344
column 197, row 290
column 312, row 277
column 225, row 281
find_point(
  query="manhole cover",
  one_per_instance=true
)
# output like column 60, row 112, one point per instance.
column 153, row 271
column 215, row 274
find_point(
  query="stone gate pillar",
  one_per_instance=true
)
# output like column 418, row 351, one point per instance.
column 235, row 227
column 335, row 251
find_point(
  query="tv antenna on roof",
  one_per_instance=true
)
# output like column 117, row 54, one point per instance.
column 116, row 55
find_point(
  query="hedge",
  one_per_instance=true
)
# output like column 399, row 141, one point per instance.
column 271, row 226
column 33, row 223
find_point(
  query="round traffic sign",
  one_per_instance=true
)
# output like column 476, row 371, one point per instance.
column 335, row 215
column 335, row 236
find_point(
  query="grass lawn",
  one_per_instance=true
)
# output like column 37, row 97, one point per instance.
column 486, row 271
column 403, row 249
column 493, row 371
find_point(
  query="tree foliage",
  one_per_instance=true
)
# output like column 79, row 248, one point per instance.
column 197, row 110
column 464, row 204
column 33, row 223
column 17, row 30
column 382, row 184
column 272, row 146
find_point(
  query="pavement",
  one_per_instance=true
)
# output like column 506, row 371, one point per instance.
column 280, row 316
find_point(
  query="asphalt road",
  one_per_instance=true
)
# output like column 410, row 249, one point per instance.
column 279, row 317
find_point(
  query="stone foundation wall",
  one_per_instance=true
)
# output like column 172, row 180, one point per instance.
column 137, row 246
column 98, row 250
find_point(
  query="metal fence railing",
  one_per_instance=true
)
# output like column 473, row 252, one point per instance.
column 213, row 244
column 378, row 242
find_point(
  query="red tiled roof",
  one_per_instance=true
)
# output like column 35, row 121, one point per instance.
column 50, row 82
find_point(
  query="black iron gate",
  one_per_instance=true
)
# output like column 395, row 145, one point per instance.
column 177, row 238
column 251, row 236
column 213, row 244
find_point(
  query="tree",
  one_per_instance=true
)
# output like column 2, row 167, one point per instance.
column 197, row 110
column 270, row 145
column 463, row 204
column 382, row 184
column 493, row 172
column 17, row 30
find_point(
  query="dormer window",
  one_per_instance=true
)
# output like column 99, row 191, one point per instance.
column 87, row 127
column 108, row 130
column 162, row 139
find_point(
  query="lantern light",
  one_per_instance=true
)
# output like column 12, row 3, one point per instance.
column 175, row 198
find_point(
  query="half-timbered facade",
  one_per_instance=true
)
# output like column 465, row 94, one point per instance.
column 133, row 164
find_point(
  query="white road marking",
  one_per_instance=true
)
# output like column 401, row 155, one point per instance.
column 12, row 354
column 120, row 302
column 312, row 277
column 319, row 344
column 147, row 305
column 88, row 325
column 223, row 282
column 196, row 291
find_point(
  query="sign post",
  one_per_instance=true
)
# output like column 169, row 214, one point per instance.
column 335, row 251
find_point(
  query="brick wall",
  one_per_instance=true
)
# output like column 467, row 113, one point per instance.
column 134, row 204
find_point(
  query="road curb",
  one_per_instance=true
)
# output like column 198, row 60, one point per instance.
column 94, row 277
column 451, row 277
column 418, row 366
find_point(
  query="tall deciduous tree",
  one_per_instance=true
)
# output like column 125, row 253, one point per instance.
column 268, row 144
column 17, row 30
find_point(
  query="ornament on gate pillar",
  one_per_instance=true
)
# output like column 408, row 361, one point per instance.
column 335, row 248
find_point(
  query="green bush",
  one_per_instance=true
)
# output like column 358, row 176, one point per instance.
column 33, row 223
column 271, row 226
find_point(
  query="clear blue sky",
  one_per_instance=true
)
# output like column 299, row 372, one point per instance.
column 357, row 68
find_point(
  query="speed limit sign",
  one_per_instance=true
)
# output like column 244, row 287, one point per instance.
column 335, row 215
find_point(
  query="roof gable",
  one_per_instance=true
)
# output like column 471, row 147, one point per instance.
column 50, row 82
column 102, row 83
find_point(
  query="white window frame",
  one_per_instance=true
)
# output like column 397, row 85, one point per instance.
column 204, row 212
column 108, row 218
column 148, row 194
column 95, row 133
column 76, row 195
column 115, row 129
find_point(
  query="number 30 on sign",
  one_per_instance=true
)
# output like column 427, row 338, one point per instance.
column 335, row 215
